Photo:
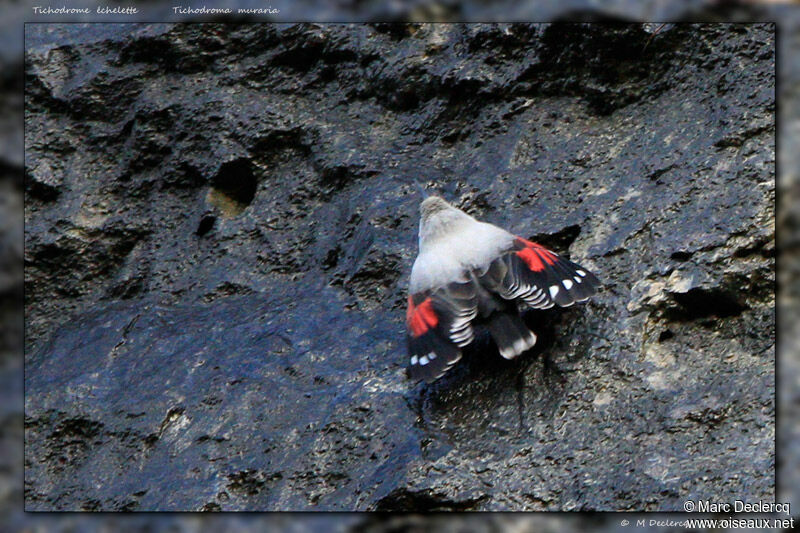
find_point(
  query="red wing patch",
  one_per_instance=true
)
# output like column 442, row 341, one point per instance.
column 420, row 318
column 534, row 255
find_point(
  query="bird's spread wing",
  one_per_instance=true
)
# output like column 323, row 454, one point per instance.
column 439, row 322
column 538, row 278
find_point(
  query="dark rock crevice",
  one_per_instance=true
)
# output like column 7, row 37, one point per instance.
column 404, row 501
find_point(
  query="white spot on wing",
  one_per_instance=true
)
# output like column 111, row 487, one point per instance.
column 431, row 356
column 577, row 279
column 414, row 359
column 553, row 291
column 581, row 273
column 423, row 360
column 567, row 284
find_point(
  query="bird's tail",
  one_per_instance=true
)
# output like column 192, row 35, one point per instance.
column 510, row 334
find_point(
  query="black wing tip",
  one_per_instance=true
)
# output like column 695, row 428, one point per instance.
column 574, row 282
column 431, row 356
column 577, row 293
column 433, row 369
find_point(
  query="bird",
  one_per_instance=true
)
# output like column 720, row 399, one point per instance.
column 469, row 273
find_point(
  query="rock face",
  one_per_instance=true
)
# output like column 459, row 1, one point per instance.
column 220, row 223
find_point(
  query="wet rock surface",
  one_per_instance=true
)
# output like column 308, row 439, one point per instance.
column 220, row 223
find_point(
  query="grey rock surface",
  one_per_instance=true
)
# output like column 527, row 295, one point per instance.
column 220, row 222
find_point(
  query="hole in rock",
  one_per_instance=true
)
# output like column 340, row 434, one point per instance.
column 701, row 303
column 233, row 188
column 206, row 225
column 681, row 256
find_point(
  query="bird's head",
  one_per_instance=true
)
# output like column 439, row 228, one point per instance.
column 437, row 217
column 431, row 206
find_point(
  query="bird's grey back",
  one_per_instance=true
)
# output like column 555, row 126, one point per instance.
column 451, row 244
